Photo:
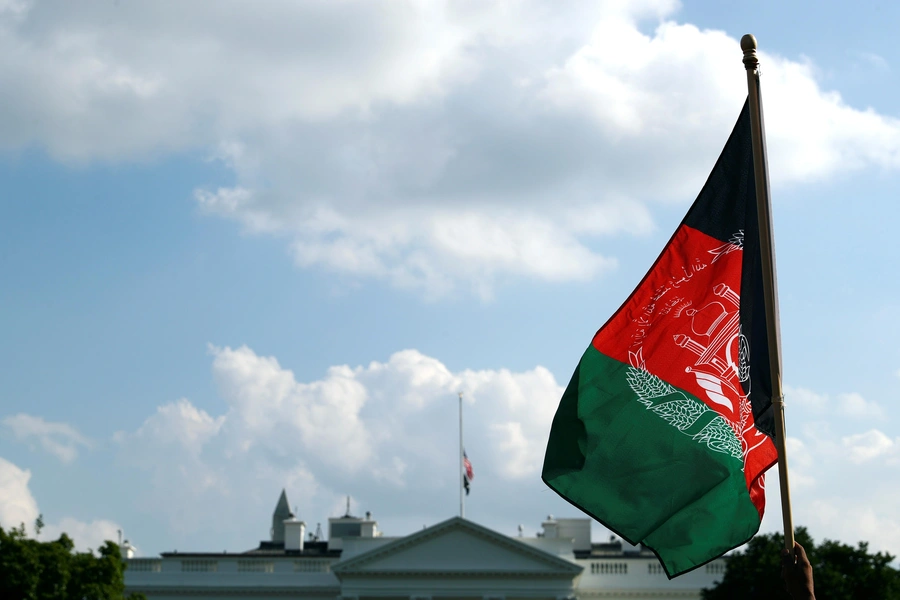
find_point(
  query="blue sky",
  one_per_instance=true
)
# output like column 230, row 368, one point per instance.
column 242, row 250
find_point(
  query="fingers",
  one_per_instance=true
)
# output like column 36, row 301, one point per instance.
column 797, row 557
column 800, row 554
column 787, row 556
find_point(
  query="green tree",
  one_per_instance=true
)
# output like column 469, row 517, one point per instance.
column 33, row 570
column 20, row 565
column 841, row 572
column 55, row 568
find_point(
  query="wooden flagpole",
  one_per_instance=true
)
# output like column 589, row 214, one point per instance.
column 770, row 286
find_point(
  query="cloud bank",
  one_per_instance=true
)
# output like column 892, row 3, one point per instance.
column 428, row 144
column 386, row 435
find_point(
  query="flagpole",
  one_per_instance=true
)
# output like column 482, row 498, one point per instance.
column 459, row 465
column 770, row 286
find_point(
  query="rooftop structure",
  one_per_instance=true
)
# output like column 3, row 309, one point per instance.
column 455, row 559
column 282, row 513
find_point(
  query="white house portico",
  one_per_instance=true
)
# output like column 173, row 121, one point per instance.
column 456, row 559
column 453, row 560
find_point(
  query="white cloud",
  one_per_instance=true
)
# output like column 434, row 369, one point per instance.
column 385, row 432
column 804, row 398
column 870, row 523
column 851, row 404
column 430, row 144
column 850, row 522
column 867, row 446
column 86, row 535
column 875, row 60
column 523, row 453
column 800, row 464
column 839, row 488
column 854, row 405
column 842, row 479
column 17, row 505
column 266, row 400
column 185, row 431
column 178, row 423
column 59, row 439
column 14, row 9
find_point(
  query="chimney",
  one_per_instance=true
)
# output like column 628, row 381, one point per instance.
column 550, row 527
column 368, row 528
column 127, row 550
column 294, row 534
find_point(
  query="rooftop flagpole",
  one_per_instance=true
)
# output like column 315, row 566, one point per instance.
column 459, row 464
column 770, row 286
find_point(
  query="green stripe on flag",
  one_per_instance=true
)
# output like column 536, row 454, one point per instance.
column 651, row 462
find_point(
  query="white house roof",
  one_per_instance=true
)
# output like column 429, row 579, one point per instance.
column 456, row 547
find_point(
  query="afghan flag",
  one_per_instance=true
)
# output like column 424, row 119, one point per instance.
column 665, row 431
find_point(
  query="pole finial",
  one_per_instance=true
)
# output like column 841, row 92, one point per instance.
column 748, row 45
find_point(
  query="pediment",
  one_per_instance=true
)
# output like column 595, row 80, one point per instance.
column 457, row 546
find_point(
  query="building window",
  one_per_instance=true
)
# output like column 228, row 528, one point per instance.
column 344, row 530
column 609, row 568
column 716, row 568
column 655, row 569
column 145, row 565
column 255, row 566
column 200, row 566
column 311, row 566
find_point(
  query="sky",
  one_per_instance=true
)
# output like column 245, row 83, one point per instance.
column 247, row 247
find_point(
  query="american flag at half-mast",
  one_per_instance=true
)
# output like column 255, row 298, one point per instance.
column 468, row 473
column 665, row 431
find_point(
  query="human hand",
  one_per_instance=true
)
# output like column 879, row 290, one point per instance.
column 797, row 573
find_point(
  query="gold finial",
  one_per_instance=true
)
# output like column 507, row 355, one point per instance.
column 748, row 45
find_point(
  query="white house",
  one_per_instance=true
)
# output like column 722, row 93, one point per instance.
column 453, row 560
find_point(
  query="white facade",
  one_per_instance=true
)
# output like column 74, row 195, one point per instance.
column 453, row 560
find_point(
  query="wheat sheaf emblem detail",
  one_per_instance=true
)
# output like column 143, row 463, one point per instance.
column 681, row 411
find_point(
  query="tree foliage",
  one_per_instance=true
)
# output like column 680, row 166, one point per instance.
column 840, row 571
column 33, row 570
